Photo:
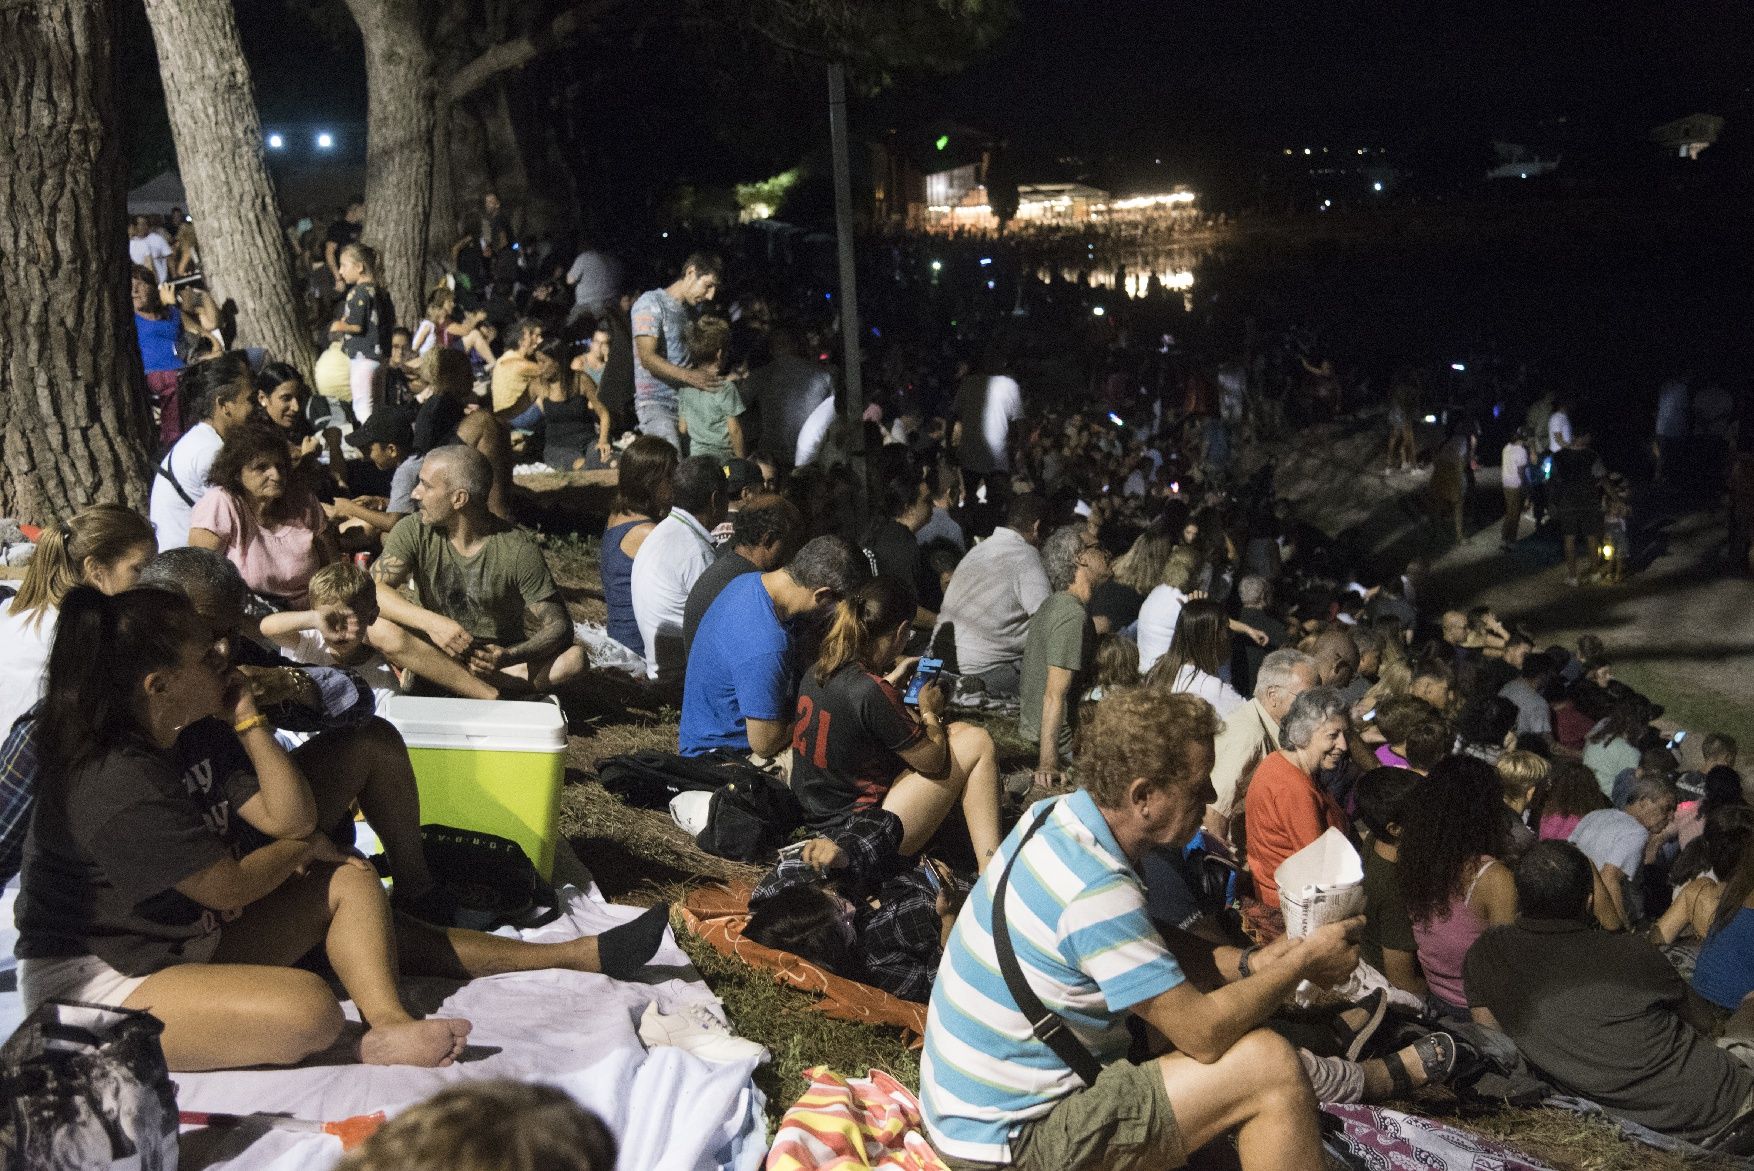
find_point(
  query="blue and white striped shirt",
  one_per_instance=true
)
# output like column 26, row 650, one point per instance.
column 1076, row 913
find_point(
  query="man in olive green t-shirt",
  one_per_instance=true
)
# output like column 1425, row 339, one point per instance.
column 1059, row 648
column 485, row 594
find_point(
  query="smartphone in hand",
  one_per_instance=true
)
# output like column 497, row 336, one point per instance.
column 924, row 673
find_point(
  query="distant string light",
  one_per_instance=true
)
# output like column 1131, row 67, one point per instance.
column 325, row 141
column 276, row 142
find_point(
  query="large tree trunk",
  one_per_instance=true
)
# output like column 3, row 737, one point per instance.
column 399, row 145
column 441, row 224
column 218, row 133
column 73, row 416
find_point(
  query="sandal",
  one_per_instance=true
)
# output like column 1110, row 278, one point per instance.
column 1437, row 1054
column 1353, row 1038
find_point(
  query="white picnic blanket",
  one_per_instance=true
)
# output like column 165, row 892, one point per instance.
column 668, row 1109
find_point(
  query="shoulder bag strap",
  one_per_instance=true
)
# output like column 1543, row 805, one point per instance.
column 1048, row 1027
column 164, row 470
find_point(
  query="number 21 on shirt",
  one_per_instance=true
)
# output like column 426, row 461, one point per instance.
column 801, row 732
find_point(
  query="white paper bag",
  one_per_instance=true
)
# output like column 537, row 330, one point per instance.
column 1321, row 883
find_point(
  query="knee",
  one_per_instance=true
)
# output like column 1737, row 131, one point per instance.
column 351, row 882
column 970, row 742
column 1272, row 1062
column 299, row 1018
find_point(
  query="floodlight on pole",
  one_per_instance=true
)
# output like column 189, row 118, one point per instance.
column 325, row 140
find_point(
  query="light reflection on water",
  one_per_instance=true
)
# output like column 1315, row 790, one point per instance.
column 1136, row 271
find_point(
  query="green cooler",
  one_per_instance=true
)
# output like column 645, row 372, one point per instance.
column 489, row 766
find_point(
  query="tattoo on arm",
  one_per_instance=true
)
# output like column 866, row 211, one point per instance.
column 392, row 571
column 548, row 629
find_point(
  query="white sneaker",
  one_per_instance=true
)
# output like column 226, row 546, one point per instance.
column 694, row 1029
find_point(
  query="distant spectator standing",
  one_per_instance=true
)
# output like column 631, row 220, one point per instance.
column 148, row 249
column 1576, row 503
column 710, row 418
column 364, row 325
column 987, row 404
column 1513, row 473
column 785, row 392
column 661, row 362
column 342, row 232
column 1673, row 427
column 595, row 276
column 159, row 324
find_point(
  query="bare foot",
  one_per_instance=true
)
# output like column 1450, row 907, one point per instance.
column 431, row 1043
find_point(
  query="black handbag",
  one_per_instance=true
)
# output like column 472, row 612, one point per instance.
column 1049, row 1027
column 750, row 816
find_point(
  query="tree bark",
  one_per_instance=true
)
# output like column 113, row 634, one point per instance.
column 399, row 165
column 219, row 152
column 441, row 224
column 73, row 415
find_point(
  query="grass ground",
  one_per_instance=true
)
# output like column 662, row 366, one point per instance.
column 640, row 857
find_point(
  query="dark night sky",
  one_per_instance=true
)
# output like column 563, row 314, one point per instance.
column 1200, row 79
column 1204, row 83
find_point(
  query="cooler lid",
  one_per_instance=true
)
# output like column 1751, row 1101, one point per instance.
column 482, row 724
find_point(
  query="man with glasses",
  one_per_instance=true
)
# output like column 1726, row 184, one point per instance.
column 1058, row 651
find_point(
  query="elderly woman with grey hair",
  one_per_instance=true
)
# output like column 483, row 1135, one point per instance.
column 1286, row 808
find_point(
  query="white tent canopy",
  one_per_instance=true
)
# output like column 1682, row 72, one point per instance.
column 157, row 195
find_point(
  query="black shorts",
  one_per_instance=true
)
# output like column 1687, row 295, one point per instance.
column 1582, row 523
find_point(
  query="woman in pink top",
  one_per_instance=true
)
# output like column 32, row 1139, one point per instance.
column 1450, row 878
column 1569, row 792
column 264, row 520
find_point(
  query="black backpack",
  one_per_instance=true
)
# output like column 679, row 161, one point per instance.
column 648, row 780
column 752, row 811
column 491, row 878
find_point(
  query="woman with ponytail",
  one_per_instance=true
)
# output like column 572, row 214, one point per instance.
column 856, row 746
column 141, row 886
column 104, row 547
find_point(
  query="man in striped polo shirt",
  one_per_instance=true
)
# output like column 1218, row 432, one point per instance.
column 994, row 1095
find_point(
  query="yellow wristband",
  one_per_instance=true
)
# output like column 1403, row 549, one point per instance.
column 256, row 721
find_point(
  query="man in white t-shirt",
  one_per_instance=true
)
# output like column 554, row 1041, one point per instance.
column 220, row 393
column 1513, row 466
column 672, row 558
column 147, row 248
column 986, row 406
column 1559, row 427
column 595, row 278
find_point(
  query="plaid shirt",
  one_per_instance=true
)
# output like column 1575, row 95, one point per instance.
column 900, row 939
column 347, row 703
column 18, row 770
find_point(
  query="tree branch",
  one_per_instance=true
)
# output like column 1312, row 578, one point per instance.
column 520, row 51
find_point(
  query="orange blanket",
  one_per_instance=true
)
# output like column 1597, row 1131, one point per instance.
column 718, row 914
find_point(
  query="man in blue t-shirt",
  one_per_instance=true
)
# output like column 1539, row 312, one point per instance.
column 994, row 1095
column 737, row 692
column 661, row 365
